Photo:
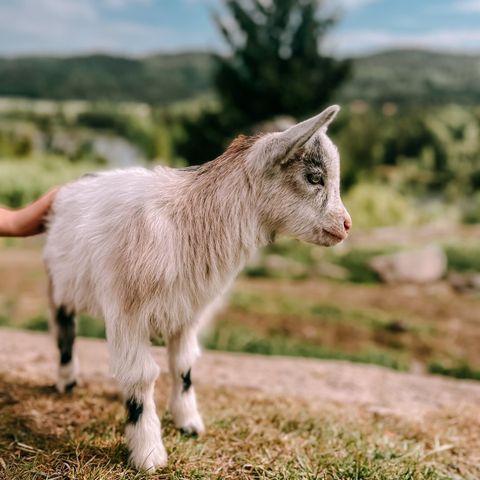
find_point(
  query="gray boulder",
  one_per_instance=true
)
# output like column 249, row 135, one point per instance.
column 426, row 265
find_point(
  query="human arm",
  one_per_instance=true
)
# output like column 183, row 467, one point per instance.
column 28, row 220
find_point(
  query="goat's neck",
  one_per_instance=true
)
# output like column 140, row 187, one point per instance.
column 222, row 218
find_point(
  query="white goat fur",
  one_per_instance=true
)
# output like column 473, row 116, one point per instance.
column 150, row 250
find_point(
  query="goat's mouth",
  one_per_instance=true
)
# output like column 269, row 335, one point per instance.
column 335, row 237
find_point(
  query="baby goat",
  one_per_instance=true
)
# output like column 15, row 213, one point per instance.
column 150, row 250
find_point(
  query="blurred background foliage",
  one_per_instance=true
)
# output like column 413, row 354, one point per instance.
column 274, row 66
column 409, row 135
column 409, row 138
column 398, row 164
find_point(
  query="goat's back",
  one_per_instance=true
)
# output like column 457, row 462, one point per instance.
column 98, row 223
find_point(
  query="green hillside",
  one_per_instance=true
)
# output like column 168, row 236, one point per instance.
column 401, row 76
column 159, row 79
column 415, row 77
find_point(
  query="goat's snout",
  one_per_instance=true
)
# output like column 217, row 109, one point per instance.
column 347, row 222
column 340, row 227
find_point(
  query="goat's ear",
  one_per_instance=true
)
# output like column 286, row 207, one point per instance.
column 285, row 144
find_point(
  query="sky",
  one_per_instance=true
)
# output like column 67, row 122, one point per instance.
column 138, row 27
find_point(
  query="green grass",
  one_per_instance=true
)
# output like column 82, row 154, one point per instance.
column 39, row 323
column 462, row 371
column 276, row 305
column 233, row 338
column 86, row 326
column 47, row 436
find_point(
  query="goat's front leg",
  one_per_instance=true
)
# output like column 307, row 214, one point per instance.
column 183, row 350
column 136, row 371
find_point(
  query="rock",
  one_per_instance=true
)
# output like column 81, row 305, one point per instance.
column 426, row 265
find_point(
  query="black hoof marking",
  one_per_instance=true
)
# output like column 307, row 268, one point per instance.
column 134, row 410
column 188, row 433
column 187, row 381
column 66, row 334
column 69, row 387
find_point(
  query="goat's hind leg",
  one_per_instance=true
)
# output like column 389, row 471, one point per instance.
column 64, row 329
column 183, row 350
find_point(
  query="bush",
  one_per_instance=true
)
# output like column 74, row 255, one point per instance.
column 463, row 258
column 378, row 205
column 471, row 211
column 356, row 262
column 24, row 180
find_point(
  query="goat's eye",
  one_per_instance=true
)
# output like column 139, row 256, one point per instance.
column 315, row 179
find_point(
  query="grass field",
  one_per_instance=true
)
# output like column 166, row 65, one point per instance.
column 250, row 435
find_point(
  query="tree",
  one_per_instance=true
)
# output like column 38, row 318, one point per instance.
column 275, row 65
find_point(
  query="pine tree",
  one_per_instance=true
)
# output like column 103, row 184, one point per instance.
column 275, row 64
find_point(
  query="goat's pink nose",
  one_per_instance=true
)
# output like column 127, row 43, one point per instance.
column 347, row 224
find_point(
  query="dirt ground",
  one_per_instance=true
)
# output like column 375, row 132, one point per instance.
column 33, row 355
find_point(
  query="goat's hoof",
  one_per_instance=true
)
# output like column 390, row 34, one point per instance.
column 149, row 459
column 193, row 426
column 63, row 387
column 67, row 377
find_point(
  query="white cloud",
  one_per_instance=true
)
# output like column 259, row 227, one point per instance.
column 65, row 26
column 467, row 6
column 361, row 41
